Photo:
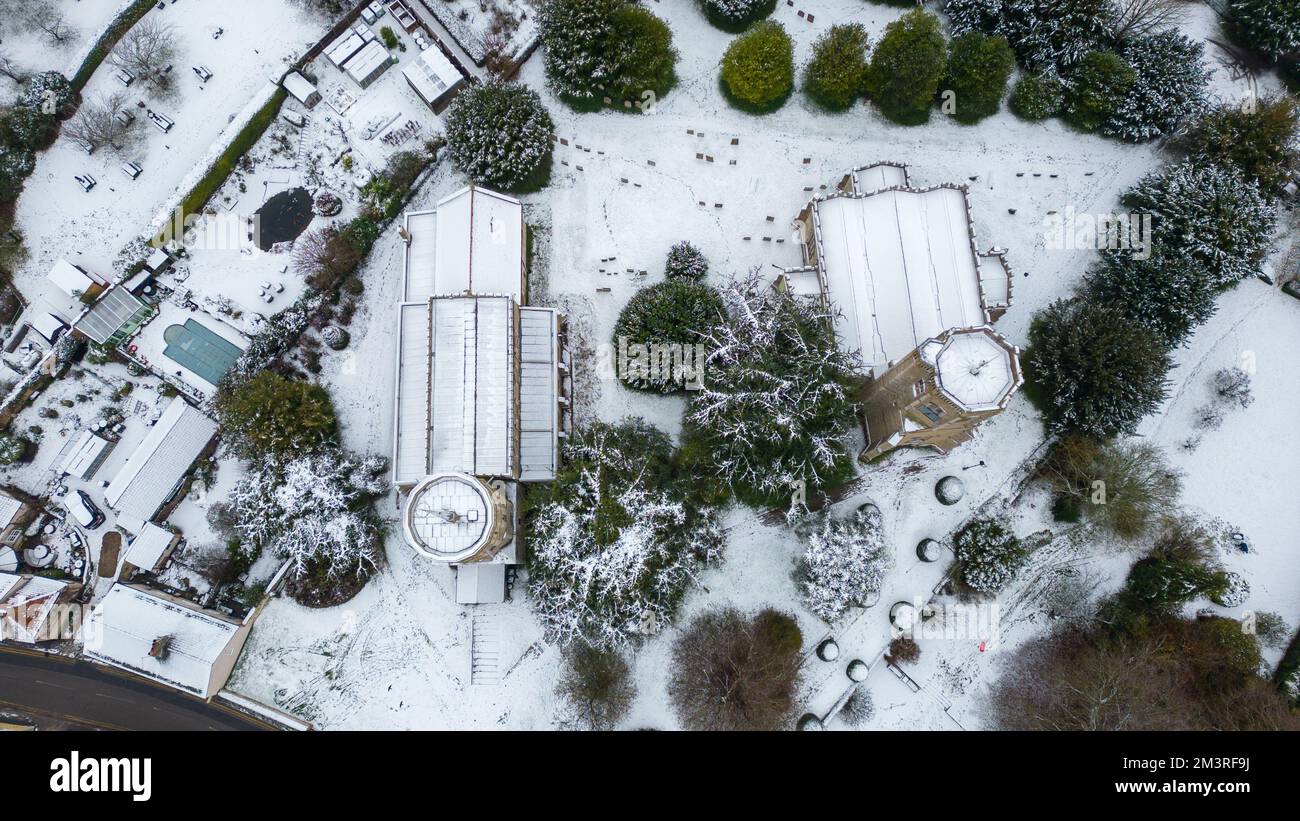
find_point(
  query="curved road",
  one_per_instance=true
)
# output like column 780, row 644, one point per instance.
column 81, row 693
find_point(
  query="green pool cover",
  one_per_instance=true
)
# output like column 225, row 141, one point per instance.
column 195, row 346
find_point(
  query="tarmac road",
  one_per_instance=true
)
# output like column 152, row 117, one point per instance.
column 78, row 692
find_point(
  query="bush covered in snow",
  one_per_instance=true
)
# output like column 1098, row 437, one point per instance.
column 615, row 539
column 1092, row 370
column 1210, row 214
column 1263, row 142
column 678, row 312
column 1166, row 584
column 1168, row 89
column 736, row 672
column 14, row 448
column 500, row 134
column 326, row 203
column 758, row 68
column 906, row 68
column 1125, row 488
column 1232, row 385
column 1037, row 97
column 859, row 708
column 903, row 650
column 315, row 512
column 686, row 261
column 836, row 76
column 269, row 417
column 1271, row 27
column 844, row 565
column 988, row 555
column 335, row 337
column 1170, row 294
column 736, row 15
column 778, row 396
column 979, row 67
column 1047, row 35
column 1098, row 86
column 606, row 48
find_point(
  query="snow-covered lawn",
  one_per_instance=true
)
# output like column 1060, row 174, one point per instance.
column 625, row 188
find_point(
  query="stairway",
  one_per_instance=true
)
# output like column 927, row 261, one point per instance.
column 485, row 650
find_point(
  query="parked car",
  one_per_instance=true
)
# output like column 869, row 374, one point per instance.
column 86, row 181
column 124, row 77
column 132, row 170
column 164, row 124
column 83, row 510
column 202, row 73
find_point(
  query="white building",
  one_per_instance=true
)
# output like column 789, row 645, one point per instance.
column 84, row 456
column 167, row 639
column 301, row 89
column 154, row 471
column 433, row 77
column 76, row 281
column 482, row 383
column 368, row 64
column 27, row 606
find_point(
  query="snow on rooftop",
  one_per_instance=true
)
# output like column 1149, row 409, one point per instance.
column 486, row 252
column 9, row 509
column 432, row 75
column 72, row 280
column 25, row 605
column 124, row 628
column 473, row 386
column 84, row 456
column 900, row 265
column 977, row 370
column 115, row 310
column 299, row 86
column 448, row 517
column 148, row 547
column 152, row 473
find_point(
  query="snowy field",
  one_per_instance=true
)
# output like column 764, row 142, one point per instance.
column 625, row 188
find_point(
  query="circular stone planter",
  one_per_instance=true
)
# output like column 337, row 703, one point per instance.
column 929, row 550
column 828, row 650
column 949, row 490
column 809, row 723
column 857, row 670
column 869, row 509
column 903, row 615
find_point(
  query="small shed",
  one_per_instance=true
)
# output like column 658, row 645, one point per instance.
column 76, row 281
column 368, row 64
column 85, row 456
column 480, row 583
column 433, row 78
column 301, row 89
column 151, row 547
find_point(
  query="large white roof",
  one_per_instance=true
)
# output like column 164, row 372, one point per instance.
column 473, row 386
column 148, row 546
column 482, row 247
column 72, row 280
column 30, row 599
column 158, row 464
column 9, row 508
column 432, row 75
column 900, row 264
column 448, row 517
column 122, row 629
column 975, row 368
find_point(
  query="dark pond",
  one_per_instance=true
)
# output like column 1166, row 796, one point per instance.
column 283, row 217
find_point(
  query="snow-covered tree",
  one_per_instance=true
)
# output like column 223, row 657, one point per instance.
column 1096, row 88
column 500, row 134
column 1232, row 386
column 269, row 417
column 670, row 318
column 16, row 164
column 605, row 48
column 614, row 541
column 836, row 76
column 49, row 92
column 685, row 260
column 988, row 555
column 1048, row 36
column 1262, row 141
column 1170, row 294
column 13, row 448
column 314, row 512
column 844, row 564
column 1169, row 87
column 736, row 15
column 1211, row 214
column 777, row 401
column 1271, row 27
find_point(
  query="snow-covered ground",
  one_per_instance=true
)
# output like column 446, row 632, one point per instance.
column 628, row 186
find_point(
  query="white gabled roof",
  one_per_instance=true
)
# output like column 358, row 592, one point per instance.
column 299, row 86
column 365, row 63
column 342, row 49
column 25, row 605
column 147, row 548
column 901, row 266
column 83, row 455
column 9, row 509
column 72, row 280
column 485, row 254
column 472, row 386
column 162, row 459
column 432, row 75
column 539, row 412
column 122, row 630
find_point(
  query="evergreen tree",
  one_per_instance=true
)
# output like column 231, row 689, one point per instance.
column 596, row 686
column 1092, row 370
column 686, row 261
column 13, row 448
column 1098, row 87
column 758, row 68
column 1166, row 584
column 978, row 69
column 777, row 403
column 1048, row 36
column 16, row 165
column 844, row 565
column 1037, row 97
column 270, row 418
column 1271, row 27
column 988, row 555
column 605, row 48
column 1170, row 87
column 677, row 312
column 500, row 134
column 1168, row 293
column 837, row 73
column 736, row 15
column 906, row 68
column 1210, row 214
column 1262, row 141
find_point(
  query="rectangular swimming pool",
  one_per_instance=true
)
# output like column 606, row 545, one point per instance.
column 197, row 347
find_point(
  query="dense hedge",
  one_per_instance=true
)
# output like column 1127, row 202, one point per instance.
column 99, row 52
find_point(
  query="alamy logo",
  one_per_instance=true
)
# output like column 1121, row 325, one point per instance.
column 77, row 774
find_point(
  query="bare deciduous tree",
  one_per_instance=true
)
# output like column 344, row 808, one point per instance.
column 596, row 686
column 10, row 69
column 146, row 51
column 51, row 21
column 734, row 672
column 324, row 257
column 101, row 123
column 1139, row 18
